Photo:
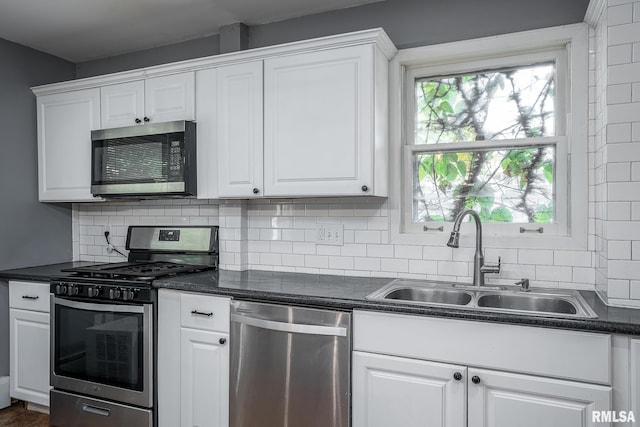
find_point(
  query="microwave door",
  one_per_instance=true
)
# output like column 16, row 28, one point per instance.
column 139, row 165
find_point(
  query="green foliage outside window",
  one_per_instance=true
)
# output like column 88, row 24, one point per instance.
column 505, row 183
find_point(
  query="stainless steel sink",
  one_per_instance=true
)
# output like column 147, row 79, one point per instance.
column 434, row 296
column 528, row 302
column 507, row 299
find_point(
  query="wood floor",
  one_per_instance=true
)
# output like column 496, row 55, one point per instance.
column 17, row 416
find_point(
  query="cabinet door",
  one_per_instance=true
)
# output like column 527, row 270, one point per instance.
column 29, row 359
column 170, row 98
column 65, row 122
column 204, row 383
column 396, row 391
column 502, row 399
column 122, row 104
column 319, row 120
column 239, row 122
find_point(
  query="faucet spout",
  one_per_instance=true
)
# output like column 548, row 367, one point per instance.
column 479, row 268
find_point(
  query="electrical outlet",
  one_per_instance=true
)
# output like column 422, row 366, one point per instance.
column 330, row 234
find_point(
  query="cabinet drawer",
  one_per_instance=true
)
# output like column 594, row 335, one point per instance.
column 204, row 312
column 29, row 296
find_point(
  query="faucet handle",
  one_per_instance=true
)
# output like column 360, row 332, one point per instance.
column 491, row 268
column 524, row 282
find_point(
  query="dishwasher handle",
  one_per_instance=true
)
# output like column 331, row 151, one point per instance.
column 295, row 328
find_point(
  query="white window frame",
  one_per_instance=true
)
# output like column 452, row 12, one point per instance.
column 571, row 227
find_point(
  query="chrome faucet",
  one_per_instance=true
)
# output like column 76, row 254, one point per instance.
column 479, row 267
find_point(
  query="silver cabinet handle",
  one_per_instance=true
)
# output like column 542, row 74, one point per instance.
column 31, row 297
column 200, row 313
column 95, row 410
column 296, row 328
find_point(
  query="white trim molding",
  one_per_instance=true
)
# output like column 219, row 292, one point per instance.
column 573, row 38
column 594, row 11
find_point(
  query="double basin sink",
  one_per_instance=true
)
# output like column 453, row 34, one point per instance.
column 506, row 299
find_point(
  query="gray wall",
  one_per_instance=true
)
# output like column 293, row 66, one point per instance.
column 31, row 233
column 409, row 23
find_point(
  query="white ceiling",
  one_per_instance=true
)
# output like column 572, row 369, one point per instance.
column 82, row 30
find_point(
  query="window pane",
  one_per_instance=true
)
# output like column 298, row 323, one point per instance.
column 510, row 185
column 500, row 104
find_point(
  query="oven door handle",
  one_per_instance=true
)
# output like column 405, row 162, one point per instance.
column 95, row 410
column 118, row 308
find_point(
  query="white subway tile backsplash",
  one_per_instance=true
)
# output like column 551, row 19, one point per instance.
column 535, row 256
column 341, row 263
column 624, row 113
column 572, row 258
column 618, row 289
column 619, row 94
column 453, row 268
column 397, row 265
column 362, row 236
column 626, row 33
column 619, row 211
column 618, row 15
column 316, row 261
column 635, row 56
column 380, row 251
column 619, row 249
column 623, row 191
column 366, row 264
column 635, row 250
column 423, row 267
column 408, row 251
column 620, row 54
column 554, row 273
column 623, row 269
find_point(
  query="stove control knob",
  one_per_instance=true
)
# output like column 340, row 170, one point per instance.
column 114, row 293
column 128, row 294
column 61, row 289
column 72, row 290
column 93, row 292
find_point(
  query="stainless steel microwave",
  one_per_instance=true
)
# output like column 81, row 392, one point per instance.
column 149, row 160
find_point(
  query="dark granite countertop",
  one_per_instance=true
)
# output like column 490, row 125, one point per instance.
column 347, row 293
column 41, row 273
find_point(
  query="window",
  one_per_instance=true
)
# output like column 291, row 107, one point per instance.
column 491, row 125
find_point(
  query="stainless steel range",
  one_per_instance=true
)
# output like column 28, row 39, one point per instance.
column 103, row 328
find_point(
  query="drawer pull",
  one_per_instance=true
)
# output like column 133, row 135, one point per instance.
column 200, row 313
column 96, row 410
column 31, row 297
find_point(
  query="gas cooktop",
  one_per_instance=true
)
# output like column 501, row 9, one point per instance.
column 135, row 270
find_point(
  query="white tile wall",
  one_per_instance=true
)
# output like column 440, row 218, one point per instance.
column 91, row 220
column 279, row 234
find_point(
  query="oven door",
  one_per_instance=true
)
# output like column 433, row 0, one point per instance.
column 103, row 350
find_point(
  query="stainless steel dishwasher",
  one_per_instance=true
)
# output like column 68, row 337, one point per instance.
column 290, row 366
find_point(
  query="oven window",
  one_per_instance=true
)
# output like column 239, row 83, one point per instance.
column 101, row 347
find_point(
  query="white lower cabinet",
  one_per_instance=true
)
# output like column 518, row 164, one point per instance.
column 193, row 360
column 505, row 399
column 403, row 380
column 398, row 391
column 29, row 341
column 204, row 383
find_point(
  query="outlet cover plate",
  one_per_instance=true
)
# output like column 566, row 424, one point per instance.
column 330, row 234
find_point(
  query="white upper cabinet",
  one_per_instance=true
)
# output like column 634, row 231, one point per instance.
column 65, row 122
column 153, row 100
column 240, row 130
column 301, row 119
column 122, row 104
column 169, row 98
column 319, row 123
